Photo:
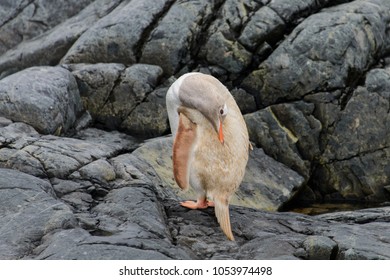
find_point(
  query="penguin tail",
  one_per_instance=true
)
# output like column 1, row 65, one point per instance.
column 222, row 214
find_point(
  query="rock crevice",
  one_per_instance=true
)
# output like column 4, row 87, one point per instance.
column 85, row 155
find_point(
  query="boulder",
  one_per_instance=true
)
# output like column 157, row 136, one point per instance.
column 357, row 136
column 96, row 82
column 221, row 46
column 327, row 51
column 100, row 198
column 267, row 184
column 265, row 25
column 287, row 132
column 51, row 46
column 58, row 157
column 29, row 210
column 170, row 46
column 311, row 78
column 150, row 118
column 118, row 36
column 39, row 94
column 113, row 93
column 23, row 20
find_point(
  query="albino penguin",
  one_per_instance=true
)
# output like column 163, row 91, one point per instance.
column 211, row 143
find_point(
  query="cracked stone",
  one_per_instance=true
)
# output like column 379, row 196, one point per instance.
column 311, row 77
column 320, row 248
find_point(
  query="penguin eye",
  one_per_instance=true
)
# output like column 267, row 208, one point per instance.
column 223, row 111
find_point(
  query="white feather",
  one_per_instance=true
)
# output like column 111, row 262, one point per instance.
column 173, row 102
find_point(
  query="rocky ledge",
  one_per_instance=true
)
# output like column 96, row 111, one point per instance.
column 85, row 155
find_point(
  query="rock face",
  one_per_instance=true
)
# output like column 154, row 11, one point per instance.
column 45, row 97
column 85, row 159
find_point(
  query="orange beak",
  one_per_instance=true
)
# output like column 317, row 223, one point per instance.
column 220, row 133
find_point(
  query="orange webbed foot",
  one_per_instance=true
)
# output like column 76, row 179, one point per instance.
column 210, row 203
column 200, row 204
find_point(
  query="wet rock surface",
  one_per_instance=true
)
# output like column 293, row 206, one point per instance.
column 85, row 155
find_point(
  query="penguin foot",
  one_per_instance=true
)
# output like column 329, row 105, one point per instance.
column 199, row 204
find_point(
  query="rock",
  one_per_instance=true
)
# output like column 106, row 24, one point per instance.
column 262, row 235
column 116, row 141
column 78, row 244
column 113, row 93
column 96, row 82
column 123, row 206
column 288, row 133
column 366, row 117
column 13, row 138
column 222, row 48
column 170, row 46
column 22, row 20
column 96, row 171
column 4, row 122
column 50, row 47
column 150, row 118
column 59, row 157
column 39, row 94
column 123, row 98
column 29, row 211
column 118, row 36
column 292, row 11
column 261, row 187
column 245, row 101
column 265, row 25
column 361, row 245
column 320, row 248
column 327, row 51
column 357, row 136
column 311, row 77
column 127, row 217
column 227, row 54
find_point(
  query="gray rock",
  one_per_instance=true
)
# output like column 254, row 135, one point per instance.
column 130, row 89
column 150, row 118
column 327, row 51
column 96, row 82
column 139, row 217
column 39, row 94
column 116, row 141
column 320, row 248
column 292, row 11
column 245, row 101
column 4, row 122
column 50, row 47
column 59, row 157
column 354, row 242
column 222, row 48
column 23, row 20
column 264, row 26
column 268, row 235
column 170, row 46
column 62, row 187
column 97, row 171
column 28, row 210
column 366, row 117
column 123, row 98
column 281, row 130
column 311, row 76
column 357, row 136
column 79, row 244
column 267, row 184
column 118, row 36
column 229, row 55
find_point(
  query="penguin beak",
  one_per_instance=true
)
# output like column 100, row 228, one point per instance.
column 220, row 133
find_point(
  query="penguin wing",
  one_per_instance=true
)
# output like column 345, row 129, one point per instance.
column 183, row 151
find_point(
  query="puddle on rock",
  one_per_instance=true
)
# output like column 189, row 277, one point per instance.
column 323, row 208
